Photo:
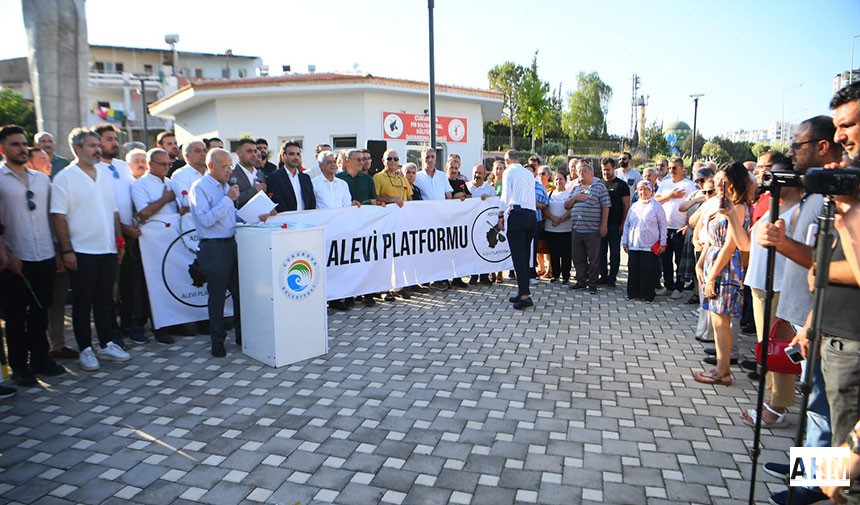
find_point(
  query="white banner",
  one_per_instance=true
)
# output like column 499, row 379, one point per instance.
column 177, row 294
column 368, row 250
column 373, row 249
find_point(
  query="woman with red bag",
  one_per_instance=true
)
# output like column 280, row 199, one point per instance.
column 643, row 239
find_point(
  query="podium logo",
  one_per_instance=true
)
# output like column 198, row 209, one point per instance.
column 299, row 275
column 819, row 466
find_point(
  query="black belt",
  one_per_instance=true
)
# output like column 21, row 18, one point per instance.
column 222, row 240
column 517, row 207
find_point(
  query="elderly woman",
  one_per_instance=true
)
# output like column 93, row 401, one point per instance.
column 719, row 269
column 557, row 230
column 645, row 227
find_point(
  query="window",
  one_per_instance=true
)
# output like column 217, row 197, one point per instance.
column 198, row 72
column 147, row 69
column 243, row 73
column 345, row 142
column 225, row 73
column 99, row 66
column 298, row 140
column 109, row 67
column 120, row 67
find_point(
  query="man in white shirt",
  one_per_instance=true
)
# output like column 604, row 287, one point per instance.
column 478, row 188
column 331, row 191
column 670, row 195
column 627, row 172
column 432, row 183
column 87, row 227
column 194, row 170
column 248, row 178
column 518, row 203
column 24, row 197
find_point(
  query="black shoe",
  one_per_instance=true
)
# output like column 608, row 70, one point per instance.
column 388, row 297
column 440, row 285
column 64, row 353
column 369, row 301
column 574, row 287
column 778, row 470
column 458, row 283
column 593, row 290
column 137, row 336
column 631, row 298
column 218, row 350
column 24, row 378
column 338, row 305
column 748, row 329
column 754, row 376
column 553, row 280
column 49, row 368
column 524, row 303
column 514, row 298
column 749, row 364
column 404, row 293
column 162, row 337
column 349, row 302
column 601, row 281
column 712, row 360
column 710, row 351
column 7, row 392
column 485, row 280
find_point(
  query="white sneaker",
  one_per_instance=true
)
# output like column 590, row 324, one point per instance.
column 113, row 352
column 88, row 359
column 661, row 292
column 676, row 294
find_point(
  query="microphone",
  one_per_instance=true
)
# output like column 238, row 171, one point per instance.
column 233, row 181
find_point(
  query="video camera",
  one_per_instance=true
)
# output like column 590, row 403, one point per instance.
column 823, row 181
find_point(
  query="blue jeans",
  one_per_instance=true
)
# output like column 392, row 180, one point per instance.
column 611, row 243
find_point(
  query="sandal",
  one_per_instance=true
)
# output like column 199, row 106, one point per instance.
column 749, row 418
column 713, row 377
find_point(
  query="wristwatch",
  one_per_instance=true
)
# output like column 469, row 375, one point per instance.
column 854, row 442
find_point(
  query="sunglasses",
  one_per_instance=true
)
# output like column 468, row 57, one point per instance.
column 392, row 159
column 30, row 203
column 700, row 181
column 112, row 171
column 708, row 191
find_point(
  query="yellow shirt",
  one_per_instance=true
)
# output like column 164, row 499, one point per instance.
column 392, row 186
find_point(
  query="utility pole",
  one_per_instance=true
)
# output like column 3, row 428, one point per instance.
column 695, row 98
column 633, row 106
column 432, row 84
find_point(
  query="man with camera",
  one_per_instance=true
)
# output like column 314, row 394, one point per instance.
column 830, row 412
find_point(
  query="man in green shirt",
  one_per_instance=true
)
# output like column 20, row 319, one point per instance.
column 45, row 141
column 360, row 184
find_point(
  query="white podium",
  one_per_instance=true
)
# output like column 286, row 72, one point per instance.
column 282, row 292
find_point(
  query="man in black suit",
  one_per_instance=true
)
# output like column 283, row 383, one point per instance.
column 289, row 187
column 263, row 162
column 248, row 178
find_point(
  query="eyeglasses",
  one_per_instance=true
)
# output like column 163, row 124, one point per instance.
column 708, row 191
column 30, row 203
column 797, row 145
column 543, row 173
column 112, row 171
column 700, row 181
column 391, row 158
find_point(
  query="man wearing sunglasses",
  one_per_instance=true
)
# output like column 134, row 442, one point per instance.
column 391, row 186
column 627, row 172
column 28, row 281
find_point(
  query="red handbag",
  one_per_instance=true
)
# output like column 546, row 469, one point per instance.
column 780, row 338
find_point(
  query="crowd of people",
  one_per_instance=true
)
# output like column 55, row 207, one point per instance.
column 702, row 229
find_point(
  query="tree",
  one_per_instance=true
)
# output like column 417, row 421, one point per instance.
column 713, row 151
column 533, row 103
column 685, row 147
column 14, row 109
column 585, row 118
column 507, row 78
column 737, row 151
column 654, row 140
column 763, row 147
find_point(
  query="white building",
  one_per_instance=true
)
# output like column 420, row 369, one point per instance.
column 845, row 78
column 342, row 110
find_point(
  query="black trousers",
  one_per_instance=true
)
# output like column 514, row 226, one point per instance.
column 521, row 230
column 92, row 292
column 611, row 244
column 671, row 259
column 133, row 303
column 535, row 239
column 219, row 262
column 559, row 253
column 26, row 321
column 640, row 274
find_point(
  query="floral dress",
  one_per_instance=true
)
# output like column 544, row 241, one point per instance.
column 730, row 280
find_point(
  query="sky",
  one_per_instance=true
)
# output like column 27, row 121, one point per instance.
column 753, row 60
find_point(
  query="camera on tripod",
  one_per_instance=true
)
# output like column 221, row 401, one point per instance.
column 822, row 181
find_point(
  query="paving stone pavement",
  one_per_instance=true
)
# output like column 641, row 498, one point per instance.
column 451, row 397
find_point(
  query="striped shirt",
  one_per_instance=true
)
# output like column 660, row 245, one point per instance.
column 586, row 217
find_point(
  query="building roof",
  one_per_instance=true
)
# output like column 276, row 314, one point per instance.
column 201, row 91
column 166, row 50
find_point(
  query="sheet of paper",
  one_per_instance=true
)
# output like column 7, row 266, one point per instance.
column 258, row 205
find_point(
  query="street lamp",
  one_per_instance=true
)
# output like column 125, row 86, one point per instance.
column 695, row 97
column 851, row 68
column 782, row 121
column 171, row 39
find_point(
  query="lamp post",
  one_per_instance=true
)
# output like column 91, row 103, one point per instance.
column 143, row 106
column 432, row 84
column 171, row 39
column 782, row 121
column 695, row 97
column 851, row 68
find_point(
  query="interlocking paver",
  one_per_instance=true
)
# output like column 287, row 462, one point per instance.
column 418, row 401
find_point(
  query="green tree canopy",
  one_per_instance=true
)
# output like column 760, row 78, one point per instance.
column 763, row 147
column 534, row 102
column 654, row 140
column 687, row 145
column 507, row 78
column 585, row 118
column 713, row 151
column 14, row 109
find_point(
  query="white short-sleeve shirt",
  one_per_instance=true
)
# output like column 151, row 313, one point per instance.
column 432, row 188
column 675, row 217
column 122, row 183
column 89, row 206
column 182, row 180
column 331, row 194
column 148, row 189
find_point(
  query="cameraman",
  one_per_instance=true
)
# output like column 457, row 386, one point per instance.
column 813, row 146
